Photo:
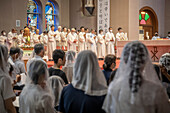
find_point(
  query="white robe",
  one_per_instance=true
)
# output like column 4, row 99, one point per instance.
column 44, row 39
column 51, row 46
column 81, row 41
column 31, row 38
column 70, row 39
column 12, row 39
column 110, row 44
column 100, row 46
column 2, row 40
column 63, row 39
column 58, row 38
column 36, row 39
column 121, row 36
column 91, row 43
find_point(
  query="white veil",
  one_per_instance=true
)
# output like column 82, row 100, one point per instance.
column 68, row 67
column 40, row 97
column 3, row 60
column 87, row 75
column 56, row 83
column 135, row 69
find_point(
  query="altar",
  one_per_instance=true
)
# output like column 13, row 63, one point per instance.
column 156, row 48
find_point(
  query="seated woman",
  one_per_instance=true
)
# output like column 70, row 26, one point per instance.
column 56, row 83
column 7, row 95
column 165, row 71
column 136, row 87
column 68, row 68
column 88, row 89
column 36, row 96
column 108, row 66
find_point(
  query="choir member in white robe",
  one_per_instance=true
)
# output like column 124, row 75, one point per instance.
column 20, row 37
column 32, row 32
column 36, row 37
column 51, row 46
column 44, row 38
column 120, row 36
column 86, row 36
column 81, row 40
column 3, row 38
column 101, row 44
column 110, row 42
column 91, row 43
column 12, row 38
column 72, row 40
column 58, row 37
column 64, row 38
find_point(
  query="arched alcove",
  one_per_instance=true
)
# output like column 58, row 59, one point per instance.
column 148, row 21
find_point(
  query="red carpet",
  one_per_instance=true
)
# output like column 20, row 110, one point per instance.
column 101, row 62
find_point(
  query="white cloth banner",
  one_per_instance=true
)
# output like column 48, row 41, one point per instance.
column 103, row 15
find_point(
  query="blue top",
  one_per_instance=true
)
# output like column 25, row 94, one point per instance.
column 107, row 74
column 75, row 101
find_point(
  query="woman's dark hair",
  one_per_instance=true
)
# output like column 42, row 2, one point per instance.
column 112, row 75
column 109, row 59
column 58, row 54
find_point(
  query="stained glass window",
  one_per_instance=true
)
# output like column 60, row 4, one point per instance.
column 144, row 18
column 50, row 15
column 32, row 14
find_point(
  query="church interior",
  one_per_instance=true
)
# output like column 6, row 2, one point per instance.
column 85, row 56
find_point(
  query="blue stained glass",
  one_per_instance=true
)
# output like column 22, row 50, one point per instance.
column 32, row 14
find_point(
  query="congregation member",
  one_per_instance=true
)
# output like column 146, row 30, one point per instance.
column 19, row 64
column 13, row 56
column 88, row 89
column 165, row 71
column 81, row 39
column 3, row 37
column 37, row 97
column 12, row 38
column 56, row 83
column 39, row 54
column 91, row 44
column 72, row 40
column 64, row 38
column 101, row 45
column 59, row 60
column 58, row 37
column 68, row 67
column 108, row 66
column 36, row 37
column 130, row 90
column 7, row 96
column 51, row 46
column 156, row 36
column 168, row 37
column 110, row 42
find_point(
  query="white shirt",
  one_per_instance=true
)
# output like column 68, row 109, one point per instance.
column 51, row 36
column 6, row 91
column 110, row 36
column 58, row 37
column 2, row 39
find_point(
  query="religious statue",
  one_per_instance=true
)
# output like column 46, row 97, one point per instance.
column 26, row 36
